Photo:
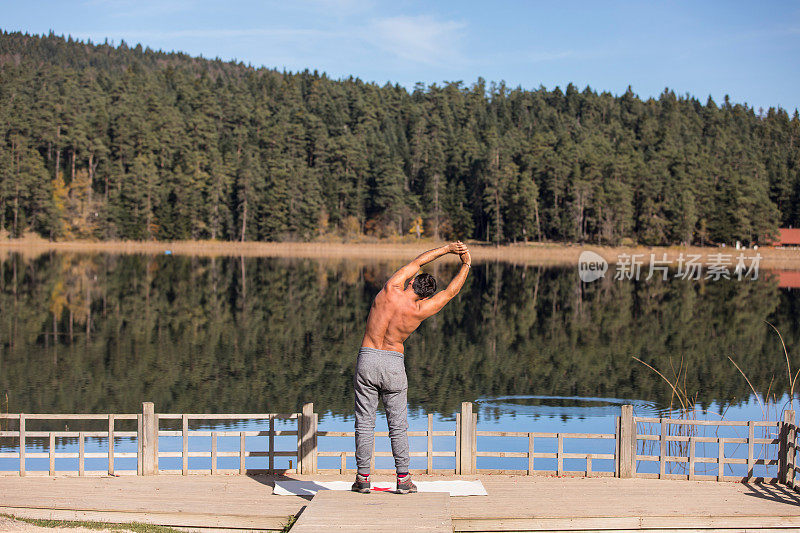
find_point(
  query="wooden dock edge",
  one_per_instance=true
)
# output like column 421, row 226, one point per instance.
column 684, row 524
column 658, row 530
column 208, row 522
column 218, row 523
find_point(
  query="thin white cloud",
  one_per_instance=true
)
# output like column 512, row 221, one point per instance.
column 420, row 39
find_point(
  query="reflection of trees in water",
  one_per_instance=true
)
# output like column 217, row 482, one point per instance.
column 102, row 333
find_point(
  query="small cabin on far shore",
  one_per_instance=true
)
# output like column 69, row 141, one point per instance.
column 788, row 279
column 787, row 237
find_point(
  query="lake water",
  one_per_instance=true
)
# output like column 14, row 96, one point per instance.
column 534, row 347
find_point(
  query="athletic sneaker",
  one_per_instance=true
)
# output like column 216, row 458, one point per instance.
column 361, row 484
column 405, row 485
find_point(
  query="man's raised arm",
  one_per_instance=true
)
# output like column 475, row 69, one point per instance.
column 431, row 306
column 400, row 277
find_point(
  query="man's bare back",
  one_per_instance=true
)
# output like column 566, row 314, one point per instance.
column 398, row 310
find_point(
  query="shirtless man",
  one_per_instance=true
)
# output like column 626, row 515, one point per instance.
column 396, row 312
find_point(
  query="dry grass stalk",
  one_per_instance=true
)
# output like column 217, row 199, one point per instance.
column 688, row 412
column 792, row 379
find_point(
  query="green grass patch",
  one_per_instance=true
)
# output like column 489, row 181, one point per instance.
column 289, row 524
column 136, row 527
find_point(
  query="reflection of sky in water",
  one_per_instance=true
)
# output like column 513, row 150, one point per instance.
column 570, row 408
column 564, row 407
column 565, row 413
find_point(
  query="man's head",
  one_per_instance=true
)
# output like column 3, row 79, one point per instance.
column 424, row 285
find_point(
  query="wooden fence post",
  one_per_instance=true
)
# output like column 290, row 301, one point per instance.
column 474, row 451
column 530, row 453
column 662, row 454
column 22, row 445
column 466, row 438
column 627, row 443
column 458, row 443
column 111, row 445
column 429, row 449
column 81, row 453
column 791, row 449
column 52, row 454
column 271, row 464
column 314, row 448
column 616, row 446
column 297, row 469
column 184, row 445
column 786, row 443
column 139, row 438
column 214, row 437
column 751, row 437
column 308, row 450
column 242, row 446
column 148, row 438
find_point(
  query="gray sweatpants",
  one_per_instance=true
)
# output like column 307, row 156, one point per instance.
column 381, row 373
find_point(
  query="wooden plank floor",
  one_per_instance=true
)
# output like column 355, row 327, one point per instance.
column 515, row 503
column 190, row 501
column 331, row 511
column 563, row 504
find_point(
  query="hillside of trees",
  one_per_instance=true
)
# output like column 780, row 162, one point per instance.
column 115, row 142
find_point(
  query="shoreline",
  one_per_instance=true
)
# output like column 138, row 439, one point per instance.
column 545, row 254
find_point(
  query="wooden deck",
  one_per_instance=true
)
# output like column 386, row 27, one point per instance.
column 376, row 513
column 515, row 503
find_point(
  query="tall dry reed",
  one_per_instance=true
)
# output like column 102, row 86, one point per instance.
column 683, row 407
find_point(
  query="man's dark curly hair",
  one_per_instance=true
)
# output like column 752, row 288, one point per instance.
column 424, row 285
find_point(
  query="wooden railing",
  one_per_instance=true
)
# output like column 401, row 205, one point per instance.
column 531, row 438
column 674, row 446
column 214, row 454
column 429, row 452
column 111, row 434
column 682, row 449
column 559, row 455
column 147, row 436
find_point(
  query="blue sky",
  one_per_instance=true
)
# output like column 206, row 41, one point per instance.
column 749, row 50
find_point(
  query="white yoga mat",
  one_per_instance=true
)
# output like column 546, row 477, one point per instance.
column 307, row 488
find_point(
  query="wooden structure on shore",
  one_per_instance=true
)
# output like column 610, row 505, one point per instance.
column 675, row 444
column 787, row 237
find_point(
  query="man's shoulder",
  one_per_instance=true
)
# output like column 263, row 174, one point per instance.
column 390, row 289
column 392, row 298
column 385, row 295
